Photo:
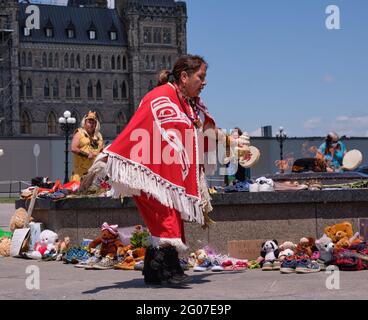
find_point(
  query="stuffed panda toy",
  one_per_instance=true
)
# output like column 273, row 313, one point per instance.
column 270, row 250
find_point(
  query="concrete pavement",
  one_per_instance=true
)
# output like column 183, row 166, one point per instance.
column 64, row 282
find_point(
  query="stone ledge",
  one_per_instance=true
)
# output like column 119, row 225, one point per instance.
column 226, row 199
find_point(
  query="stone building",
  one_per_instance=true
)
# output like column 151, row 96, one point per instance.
column 84, row 57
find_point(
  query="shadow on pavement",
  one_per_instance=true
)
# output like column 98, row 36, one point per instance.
column 139, row 283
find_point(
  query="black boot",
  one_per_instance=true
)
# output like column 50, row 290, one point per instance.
column 162, row 266
column 152, row 266
column 172, row 261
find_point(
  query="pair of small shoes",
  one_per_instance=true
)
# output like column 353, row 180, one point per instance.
column 216, row 266
column 139, row 266
column 76, row 255
column 240, row 266
column 262, row 185
column 204, row 266
column 307, row 266
column 267, row 266
column 276, row 265
column 105, row 264
column 89, row 263
column 288, row 266
column 128, row 264
column 228, row 265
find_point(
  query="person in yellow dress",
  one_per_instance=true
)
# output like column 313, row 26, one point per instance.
column 87, row 143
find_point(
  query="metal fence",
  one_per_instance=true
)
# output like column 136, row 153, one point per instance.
column 13, row 188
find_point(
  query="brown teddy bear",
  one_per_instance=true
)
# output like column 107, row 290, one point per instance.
column 5, row 247
column 342, row 235
column 109, row 241
column 305, row 246
column 19, row 220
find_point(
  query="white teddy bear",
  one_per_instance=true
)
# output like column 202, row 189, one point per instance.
column 45, row 245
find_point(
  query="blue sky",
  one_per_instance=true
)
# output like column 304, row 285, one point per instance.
column 274, row 62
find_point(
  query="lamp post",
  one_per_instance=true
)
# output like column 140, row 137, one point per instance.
column 281, row 137
column 67, row 123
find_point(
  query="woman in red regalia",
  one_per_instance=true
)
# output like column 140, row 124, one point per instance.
column 157, row 159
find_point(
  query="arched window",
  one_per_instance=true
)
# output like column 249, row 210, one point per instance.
column 153, row 63
column 51, row 124
column 29, row 91
column 87, row 62
column 44, row 60
column 115, row 93
column 66, row 61
column 68, row 90
column 147, row 35
column 78, row 62
column 56, row 60
column 99, row 62
column 167, row 36
column 147, row 63
column 119, row 63
column 25, row 123
column 72, row 61
column 90, row 89
column 124, row 92
column 93, row 62
column 163, row 62
column 98, row 90
column 77, row 89
column 51, row 60
column 21, row 88
column 46, row 89
column 29, row 62
column 124, row 63
column 55, row 89
column 121, row 122
column 169, row 64
column 23, row 62
column 113, row 63
column 157, row 35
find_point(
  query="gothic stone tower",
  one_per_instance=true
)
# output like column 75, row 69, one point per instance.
column 156, row 34
column 9, row 73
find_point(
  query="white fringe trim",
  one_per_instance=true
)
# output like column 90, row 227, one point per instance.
column 177, row 243
column 129, row 179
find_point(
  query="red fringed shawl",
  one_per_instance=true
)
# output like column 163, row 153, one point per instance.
column 158, row 153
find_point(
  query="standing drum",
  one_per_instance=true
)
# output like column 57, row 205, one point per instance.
column 352, row 160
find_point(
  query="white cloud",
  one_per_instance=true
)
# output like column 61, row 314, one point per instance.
column 353, row 126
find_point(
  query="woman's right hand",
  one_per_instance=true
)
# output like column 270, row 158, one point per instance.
column 91, row 155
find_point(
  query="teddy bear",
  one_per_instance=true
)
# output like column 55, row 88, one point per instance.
column 325, row 246
column 19, row 220
column 111, row 246
column 62, row 247
column 305, row 247
column 342, row 235
column 200, row 256
column 5, row 244
column 286, row 250
column 45, row 246
column 270, row 250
